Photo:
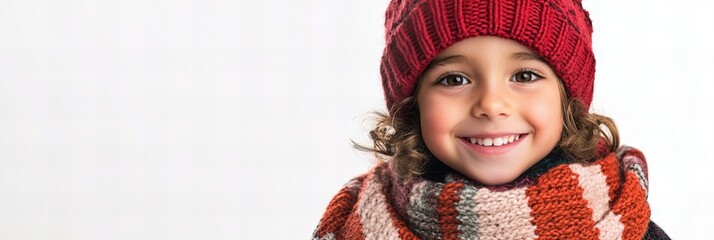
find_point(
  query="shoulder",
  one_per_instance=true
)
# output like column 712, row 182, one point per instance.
column 631, row 155
column 349, row 190
column 355, row 184
column 349, row 193
column 633, row 160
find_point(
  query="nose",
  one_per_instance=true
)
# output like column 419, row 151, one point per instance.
column 492, row 102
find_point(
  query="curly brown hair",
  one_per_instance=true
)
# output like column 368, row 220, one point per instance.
column 398, row 138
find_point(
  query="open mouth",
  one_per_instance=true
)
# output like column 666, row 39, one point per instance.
column 496, row 141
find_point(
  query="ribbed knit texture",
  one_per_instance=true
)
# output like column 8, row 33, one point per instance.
column 553, row 200
column 416, row 31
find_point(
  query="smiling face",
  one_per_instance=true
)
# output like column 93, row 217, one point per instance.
column 489, row 108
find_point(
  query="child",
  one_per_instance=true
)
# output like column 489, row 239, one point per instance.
column 488, row 134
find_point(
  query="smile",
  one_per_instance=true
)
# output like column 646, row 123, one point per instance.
column 497, row 141
column 493, row 145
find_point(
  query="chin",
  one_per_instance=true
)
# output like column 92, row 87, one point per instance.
column 494, row 179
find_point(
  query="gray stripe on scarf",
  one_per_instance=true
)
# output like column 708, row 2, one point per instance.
column 423, row 217
column 467, row 216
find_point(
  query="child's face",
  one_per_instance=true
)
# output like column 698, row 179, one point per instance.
column 495, row 91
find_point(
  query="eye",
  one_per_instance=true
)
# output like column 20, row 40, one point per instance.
column 453, row 80
column 525, row 75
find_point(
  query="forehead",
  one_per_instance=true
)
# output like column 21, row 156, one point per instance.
column 485, row 48
column 485, row 45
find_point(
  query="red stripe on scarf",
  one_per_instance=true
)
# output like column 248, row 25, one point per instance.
column 633, row 208
column 560, row 211
column 446, row 208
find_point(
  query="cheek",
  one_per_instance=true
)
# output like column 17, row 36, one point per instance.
column 437, row 120
column 547, row 116
column 430, row 120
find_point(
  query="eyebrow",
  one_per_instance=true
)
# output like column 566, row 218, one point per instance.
column 520, row 56
column 443, row 61
column 526, row 56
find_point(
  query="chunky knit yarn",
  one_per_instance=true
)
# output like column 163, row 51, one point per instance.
column 553, row 200
column 417, row 30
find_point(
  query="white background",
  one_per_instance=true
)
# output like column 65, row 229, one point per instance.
column 204, row 119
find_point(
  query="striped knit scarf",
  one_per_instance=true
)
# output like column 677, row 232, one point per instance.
column 552, row 200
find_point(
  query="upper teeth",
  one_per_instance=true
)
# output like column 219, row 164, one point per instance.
column 494, row 141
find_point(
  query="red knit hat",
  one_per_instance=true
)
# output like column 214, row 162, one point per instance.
column 417, row 30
